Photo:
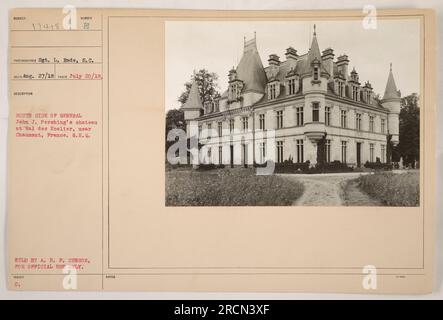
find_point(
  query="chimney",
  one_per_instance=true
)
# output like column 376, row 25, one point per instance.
column 342, row 64
column 328, row 60
column 291, row 57
column 274, row 64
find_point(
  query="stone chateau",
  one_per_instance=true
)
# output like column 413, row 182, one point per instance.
column 320, row 111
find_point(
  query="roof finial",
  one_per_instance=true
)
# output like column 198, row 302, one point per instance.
column 390, row 67
column 244, row 40
column 315, row 33
column 255, row 35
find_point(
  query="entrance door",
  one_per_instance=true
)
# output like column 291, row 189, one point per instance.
column 358, row 154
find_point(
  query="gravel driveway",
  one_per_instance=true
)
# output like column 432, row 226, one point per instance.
column 327, row 190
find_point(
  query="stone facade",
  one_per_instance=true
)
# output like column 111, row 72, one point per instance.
column 306, row 99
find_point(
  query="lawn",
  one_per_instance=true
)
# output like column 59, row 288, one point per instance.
column 227, row 187
column 402, row 190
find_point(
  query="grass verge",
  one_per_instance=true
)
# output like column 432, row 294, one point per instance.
column 229, row 188
column 401, row 190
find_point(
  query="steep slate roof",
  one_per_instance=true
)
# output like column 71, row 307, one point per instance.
column 193, row 101
column 314, row 51
column 250, row 69
column 391, row 91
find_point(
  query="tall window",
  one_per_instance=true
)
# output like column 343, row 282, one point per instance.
column 315, row 111
column 209, row 130
column 245, row 122
column 231, row 125
column 291, row 85
column 371, row 152
column 328, row 150
column 220, row 154
column 383, row 153
column 220, row 128
column 279, row 151
column 262, row 121
column 209, row 155
column 300, row 116
column 371, row 123
column 200, row 130
column 327, row 116
column 343, row 119
column 279, row 119
column 262, row 152
column 300, row 151
column 382, row 126
column 344, row 155
column 358, row 121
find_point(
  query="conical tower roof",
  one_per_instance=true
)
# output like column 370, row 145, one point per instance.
column 314, row 51
column 250, row 68
column 391, row 91
column 193, row 101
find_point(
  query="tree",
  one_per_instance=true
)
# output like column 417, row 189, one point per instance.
column 207, row 86
column 174, row 119
column 409, row 130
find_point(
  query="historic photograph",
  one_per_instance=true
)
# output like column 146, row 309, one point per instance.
column 292, row 113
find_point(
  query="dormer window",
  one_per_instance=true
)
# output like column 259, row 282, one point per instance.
column 216, row 105
column 273, row 90
column 340, row 88
column 235, row 89
column 315, row 64
column 292, row 82
column 315, row 73
column 368, row 97
column 355, row 93
column 367, row 93
column 291, row 86
column 208, row 107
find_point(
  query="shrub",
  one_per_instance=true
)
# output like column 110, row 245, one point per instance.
column 392, row 189
column 289, row 167
column 261, row 165
column 378, row 165
column 334, row 166
column 206, row 166
column 305, row 167
column 169, row 166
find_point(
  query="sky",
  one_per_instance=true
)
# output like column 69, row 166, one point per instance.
column 218, row 46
